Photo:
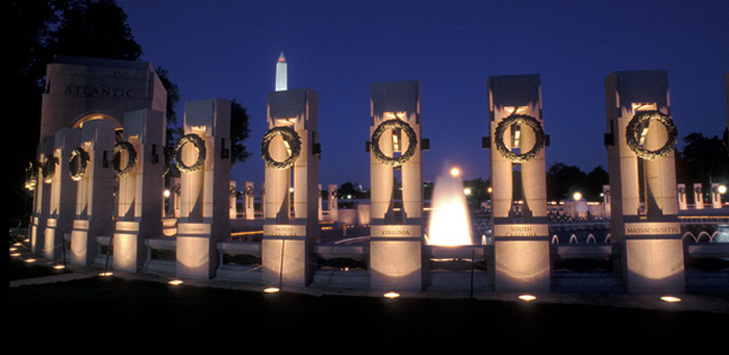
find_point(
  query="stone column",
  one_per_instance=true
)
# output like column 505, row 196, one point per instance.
column 681, row 190
column 140, row 198
column 291, row 152
column 63, row 193
column 521, row 241
column 203, row 155
column 606, row 200
column 42, row 195
column 652, row 250
column 698, row 196
column 249, row 202
column 396, row 238
column 95, row 199
column 333, row 201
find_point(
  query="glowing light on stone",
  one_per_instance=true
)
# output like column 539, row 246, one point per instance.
column 670, row 299
column 175, row 282
column 527, row 298
column 271, row 289
column 391, row 295
column 450, row 223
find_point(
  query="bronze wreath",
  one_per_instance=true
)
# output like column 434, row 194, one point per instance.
column 116, row 158
column 631, row 133
column 31, row 176
column 77, row 163
column 48, row 169
column 293, row 140
column 404, row 157
column 199, row 144
column 511, row 120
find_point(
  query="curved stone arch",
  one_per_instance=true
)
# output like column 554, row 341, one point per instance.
column 608, row 238
column 92, row 116
column 555, row 239
column 573, row 239
column 689, row 235
column 591, row 239
column 704, row 236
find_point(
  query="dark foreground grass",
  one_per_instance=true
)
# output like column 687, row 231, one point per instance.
column 121, row 314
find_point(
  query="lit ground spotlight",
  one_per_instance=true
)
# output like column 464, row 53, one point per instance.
column 175, row 282
column 391, row 295
column 670, row 299
column 29, row 261
column 271, row 289
column 59, row 267
column 106, row 274
column 527, row 298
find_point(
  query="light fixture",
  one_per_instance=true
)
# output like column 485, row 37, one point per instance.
column 722, row 189
column 59, row 267
column 455, row 172
column 106, row 274
column 271, row 289
column 391, row 294
column 175, row 282
column 577, row 196
column 670, row 299
column 29, row 261
column 527, row 298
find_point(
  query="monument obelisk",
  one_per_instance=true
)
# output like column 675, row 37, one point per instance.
column 281, row 84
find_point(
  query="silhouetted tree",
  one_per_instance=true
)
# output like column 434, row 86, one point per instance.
column 704, row 160
column 239, row 131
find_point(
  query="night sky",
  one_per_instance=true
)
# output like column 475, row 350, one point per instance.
column 228, row 49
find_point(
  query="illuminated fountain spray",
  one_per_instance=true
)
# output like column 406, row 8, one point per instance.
column 450, row 222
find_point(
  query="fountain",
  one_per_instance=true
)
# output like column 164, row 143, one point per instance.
column 449, row 223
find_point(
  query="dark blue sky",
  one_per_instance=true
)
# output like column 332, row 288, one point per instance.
column 228, row 49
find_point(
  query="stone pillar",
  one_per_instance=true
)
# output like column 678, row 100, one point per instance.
column 63, row 193
column 715, row 195
column 698, row 196
column 681, row 190
column 319, row 205
column 333, row 200
column 41, row 201
column 95, row 191
column 249, row 202
column 652, row 251
column 140, row 198
column 606, row 200
column 291, row 152
column 396, row 238
column 233, row 200
column 521, row 241
column 203, row 157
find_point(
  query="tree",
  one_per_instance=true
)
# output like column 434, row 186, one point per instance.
column 95, row 29
column 239, row 132
column 704, row 160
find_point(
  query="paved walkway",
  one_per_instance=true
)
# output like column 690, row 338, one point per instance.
column 715, row 303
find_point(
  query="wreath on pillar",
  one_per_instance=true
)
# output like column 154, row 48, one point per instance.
column 31, row 176
column 116, row 158
column 632, row 132
column 514, row 119
column 394, row 124
column 292, row 139
column 48, row 169
column 199, row 144
column 249, row 191
column 77, row 163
